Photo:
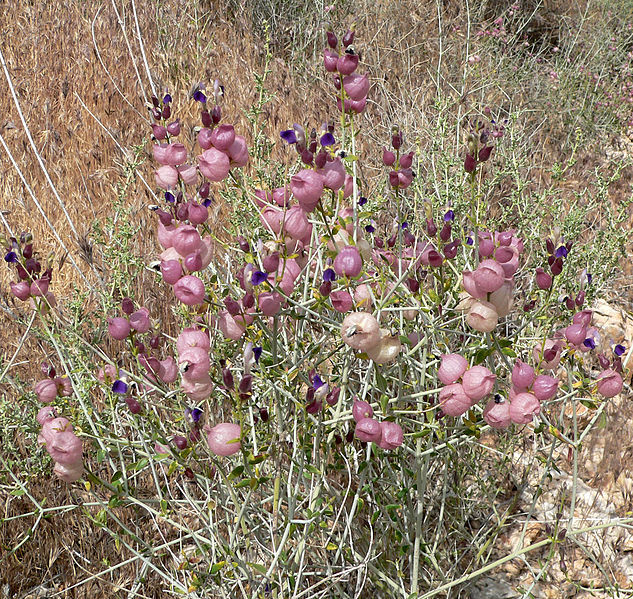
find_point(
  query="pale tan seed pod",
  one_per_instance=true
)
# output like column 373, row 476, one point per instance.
column 360, row 331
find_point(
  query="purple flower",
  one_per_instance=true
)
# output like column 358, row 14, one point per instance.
column 259, row 277
column 562, row 252
column 317, row 382
column 619, row 349
column 370, row 229
column 207, row 202
column 329, row 275
column 469, row 240
column 193, row 414
column 405, row 224
column 257, row 352
column 198, row 96
column 119, row 387
column 167, row 99
column 590, row 343
column 449, row 216
column 327, row 140
column 589, row 277
column 289, row 136
column 11, row 257
column 362, row 201
column 169, row 197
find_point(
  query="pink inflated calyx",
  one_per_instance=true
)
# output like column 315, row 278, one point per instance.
column 545, row 387
column 186, row 240
column 392, row 435
column 119, row 328
column 46, row 391
column 194, row 363
column 166, row 177
column 452, row 368
column 453, row 400
column 361, row 409
column 192, row 337
column 348, row 262
column 224, row 439
column 189, row 290
column 482, row 316
column 497, row 414
column 222, row 137
column 610, row 383
column 333, row 174
column 140, row 321
column 523, row 408
column 307, row 187
column 489, row 276
column 238, row 152
column 214, row 164
column 360, row 331
column 523, row 376
column 368, row 430
column 478, row 382
column 342, row 301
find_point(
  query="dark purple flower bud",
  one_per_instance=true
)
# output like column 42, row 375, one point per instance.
column 232, row 307
column 204, row 190
column 406, row 160
column 327, row 140
column 307, row 157
column 157, row 114
column 379, row 242
column 154, row 342
column 543, row 280
column 470, row 164
column 557, row 266
column 331, row 40
column 325, row 289
column 127, row 305
column 529, row 305
column 580, row 298
column 207, row 121
column 484, row 153
column 248, row 301
column 392, row 240
column 549, row 245
column 603, row 361
column 569, row 303
column 180, row 442
column 244, row 246
column 320, row 159
column 312, row 146
column 408, row 238
column 450, row 249
column 166, row 113
column 393, row 179
column 396, row 140
column 388, row 157
column 155, row 102
column 329, row 275
column 165, row 217
column 119, row 387
column 227, row 378
column 413, row 285
column 333, row 395
column 263, row 414
column 216, row 114
column 289, row 136
column 246, row 384
column 314, row 407
column 259, row 277
column 431, row 228
column 133, row 405
column 348, row 38
column 27, row 251
column 174, row 128
column 445, row 233
column 617, row 364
